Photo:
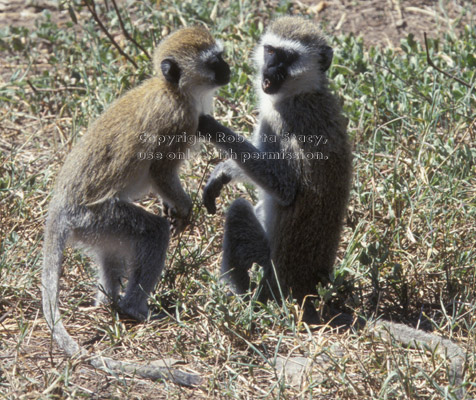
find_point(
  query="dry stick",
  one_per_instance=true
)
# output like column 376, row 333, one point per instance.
column 124, row 31
column 431, row 64
column 92, row 9
column 53, row 90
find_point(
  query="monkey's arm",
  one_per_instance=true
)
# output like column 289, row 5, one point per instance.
column 273, row 175
column 177, row 203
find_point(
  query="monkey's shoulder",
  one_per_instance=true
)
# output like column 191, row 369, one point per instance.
column 154, row 105
column 122, row 140
column 314, row 120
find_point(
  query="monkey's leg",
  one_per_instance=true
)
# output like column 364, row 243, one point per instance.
column 136, row 236
column 149, row 248
column 244, row 243
column 111, row 270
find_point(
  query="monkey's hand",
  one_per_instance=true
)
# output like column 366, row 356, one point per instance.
column 177, row 222
column 212, row 191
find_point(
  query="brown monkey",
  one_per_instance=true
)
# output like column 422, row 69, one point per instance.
column 126, row 153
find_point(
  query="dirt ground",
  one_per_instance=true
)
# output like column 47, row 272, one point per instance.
column 385, row 22
column 379, row 22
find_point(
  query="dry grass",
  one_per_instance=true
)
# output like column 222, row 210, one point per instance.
column 408, row 250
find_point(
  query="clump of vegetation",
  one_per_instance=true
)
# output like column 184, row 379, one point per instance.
column 408, row 250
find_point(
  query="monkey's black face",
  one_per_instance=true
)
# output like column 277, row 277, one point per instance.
column 275, row 68
column 220, row 68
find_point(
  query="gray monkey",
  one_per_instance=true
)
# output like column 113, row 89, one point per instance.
column 301, row 162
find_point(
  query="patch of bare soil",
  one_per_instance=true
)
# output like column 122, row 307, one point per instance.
column 24, row 13
column 379, row 22
column 385, row 22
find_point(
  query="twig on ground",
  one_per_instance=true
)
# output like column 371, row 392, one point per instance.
column 53, row 90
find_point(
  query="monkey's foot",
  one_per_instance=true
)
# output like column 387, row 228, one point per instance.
column 133, row 313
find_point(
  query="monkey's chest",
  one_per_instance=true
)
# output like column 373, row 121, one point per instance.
column 139, row 183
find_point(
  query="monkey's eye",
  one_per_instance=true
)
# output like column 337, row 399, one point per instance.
column 270, row 50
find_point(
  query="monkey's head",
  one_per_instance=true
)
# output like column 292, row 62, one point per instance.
column 191, row 59
column 292, row 57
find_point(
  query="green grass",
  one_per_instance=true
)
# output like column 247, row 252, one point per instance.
column 408, row 250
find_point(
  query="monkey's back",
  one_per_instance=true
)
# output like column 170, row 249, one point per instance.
column 111, row 152
column 305, row 235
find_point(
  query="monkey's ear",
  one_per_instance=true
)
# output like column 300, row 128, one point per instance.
column 170, row 70
column 326, row 57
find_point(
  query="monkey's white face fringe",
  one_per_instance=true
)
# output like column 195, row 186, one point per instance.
column 216, row 49
column 203, row 98
column 303, row 75
column 202, row 94
column 276, row 41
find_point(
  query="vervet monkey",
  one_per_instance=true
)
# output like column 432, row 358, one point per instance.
column 127, row 152
column 301, row 161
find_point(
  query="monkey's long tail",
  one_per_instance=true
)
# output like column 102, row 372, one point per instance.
column 416, row 338
column 55, row 242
